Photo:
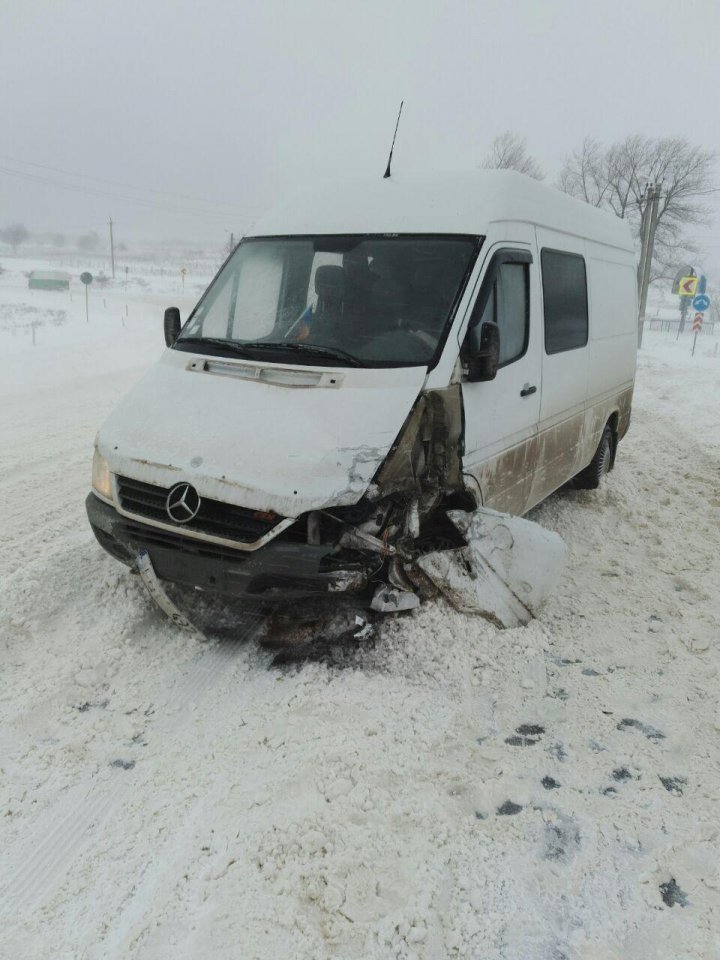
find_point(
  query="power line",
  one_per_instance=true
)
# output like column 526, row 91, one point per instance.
column 89, row 191
column 129, row 186
column 151, row 204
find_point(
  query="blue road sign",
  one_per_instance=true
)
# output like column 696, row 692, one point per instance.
column 702, row 284
column 701, row 302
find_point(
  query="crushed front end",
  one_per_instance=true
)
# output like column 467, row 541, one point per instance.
column 222, row 548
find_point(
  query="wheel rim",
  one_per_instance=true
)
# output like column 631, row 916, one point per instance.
column 605, row 457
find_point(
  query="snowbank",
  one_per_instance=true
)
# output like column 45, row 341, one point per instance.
column 452, row 791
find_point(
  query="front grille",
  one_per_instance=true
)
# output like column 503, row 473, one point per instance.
column 214, row 517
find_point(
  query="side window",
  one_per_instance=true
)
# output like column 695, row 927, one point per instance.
column 565, row 301
column 508, row 305
column 512, row 307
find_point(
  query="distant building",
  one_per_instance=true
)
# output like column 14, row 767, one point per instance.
column 48, row 280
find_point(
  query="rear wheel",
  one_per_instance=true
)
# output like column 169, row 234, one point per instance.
column 601, row 463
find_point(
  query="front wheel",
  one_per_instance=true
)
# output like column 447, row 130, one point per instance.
column 601, row 463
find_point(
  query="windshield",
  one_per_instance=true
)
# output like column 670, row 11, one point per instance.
column 333, row 300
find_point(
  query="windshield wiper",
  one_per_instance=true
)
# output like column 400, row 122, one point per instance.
column 250, row 348
column 231, row 346
column 334, row 353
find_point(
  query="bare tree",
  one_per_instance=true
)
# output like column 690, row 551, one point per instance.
column 509, row 152
column 15, row 234
column 615, row 177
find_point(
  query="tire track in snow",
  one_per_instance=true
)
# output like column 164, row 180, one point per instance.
column 36, row 864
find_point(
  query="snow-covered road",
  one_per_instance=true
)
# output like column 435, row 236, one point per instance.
column 545, row 793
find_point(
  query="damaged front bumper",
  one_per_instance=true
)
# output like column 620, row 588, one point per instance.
column 279, row 571
column 504, row 570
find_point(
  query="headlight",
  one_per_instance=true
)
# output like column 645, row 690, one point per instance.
column 101, row 476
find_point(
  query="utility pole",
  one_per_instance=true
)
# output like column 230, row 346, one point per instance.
column 644, row 222
column 648, row 228
column 112, row 249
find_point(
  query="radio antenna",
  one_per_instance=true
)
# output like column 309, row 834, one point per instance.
column 386, row 175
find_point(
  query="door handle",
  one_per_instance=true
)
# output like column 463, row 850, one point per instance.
column 527, row 390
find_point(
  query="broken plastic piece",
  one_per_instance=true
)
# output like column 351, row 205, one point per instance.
column 506, row 572
column 364, row 630
column 158, row 594
column 389, row 600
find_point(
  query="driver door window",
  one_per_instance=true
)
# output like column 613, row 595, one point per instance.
column 509, row 307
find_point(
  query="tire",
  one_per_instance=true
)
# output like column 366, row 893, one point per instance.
column 601, row 463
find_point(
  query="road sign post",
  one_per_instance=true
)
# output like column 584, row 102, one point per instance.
column 700, row 304
column 683, row 313
column 87, row 279
column 697, row 327
column 688, row 286
column 684, row 271
column 684, row 274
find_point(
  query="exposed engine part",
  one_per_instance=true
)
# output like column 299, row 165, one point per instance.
column 423, row 468
column 397, row 576
column 358, row 539
column 427, row 455
column 388, row 599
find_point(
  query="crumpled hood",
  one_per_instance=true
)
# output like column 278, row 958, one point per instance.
column 238, row 433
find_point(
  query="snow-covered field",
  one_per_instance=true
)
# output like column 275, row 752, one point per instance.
column 545, row 793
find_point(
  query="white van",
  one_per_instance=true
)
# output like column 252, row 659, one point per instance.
column 371, row 356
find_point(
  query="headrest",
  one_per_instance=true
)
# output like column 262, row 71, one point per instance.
column 330, row 281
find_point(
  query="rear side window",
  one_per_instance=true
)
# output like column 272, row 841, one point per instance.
column 565, row 300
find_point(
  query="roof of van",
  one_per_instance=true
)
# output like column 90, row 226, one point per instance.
column 466, row 202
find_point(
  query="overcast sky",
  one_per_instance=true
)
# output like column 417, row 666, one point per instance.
column 229, row 102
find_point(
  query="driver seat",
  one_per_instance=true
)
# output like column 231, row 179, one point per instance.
column 330, row 290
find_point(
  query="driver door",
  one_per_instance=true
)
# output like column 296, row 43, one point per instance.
column 501, row 415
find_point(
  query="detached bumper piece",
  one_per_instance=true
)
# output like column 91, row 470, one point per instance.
column 155, row 589
column 279, row 571
column 506, row 572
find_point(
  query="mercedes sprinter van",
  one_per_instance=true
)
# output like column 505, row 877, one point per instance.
column 370, row 356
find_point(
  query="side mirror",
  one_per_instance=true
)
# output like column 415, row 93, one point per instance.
column 482, row 351
column 171, row 325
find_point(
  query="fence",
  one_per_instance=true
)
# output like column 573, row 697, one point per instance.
column 672, row 326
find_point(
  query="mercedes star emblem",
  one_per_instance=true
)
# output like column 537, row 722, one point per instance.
column 183, row 503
